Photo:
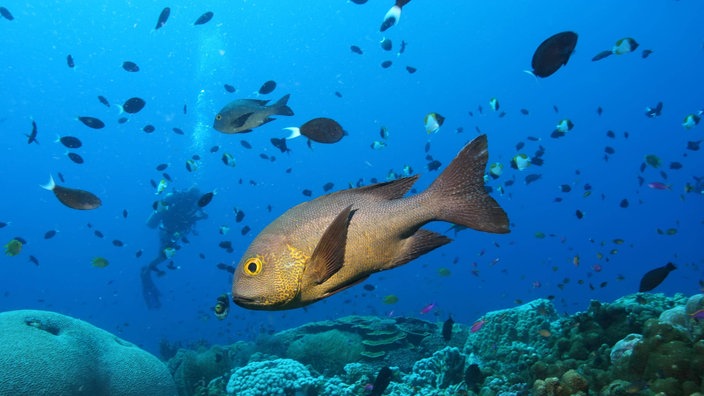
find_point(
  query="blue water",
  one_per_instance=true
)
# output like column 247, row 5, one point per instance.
column 466, row 52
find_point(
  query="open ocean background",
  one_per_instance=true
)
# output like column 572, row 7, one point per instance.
column 465, row 52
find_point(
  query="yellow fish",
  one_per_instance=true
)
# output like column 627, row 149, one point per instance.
column 323, row 246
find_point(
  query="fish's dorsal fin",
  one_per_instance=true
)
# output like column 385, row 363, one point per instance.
column 389, row 190
column 258, row 102
column 329, row 255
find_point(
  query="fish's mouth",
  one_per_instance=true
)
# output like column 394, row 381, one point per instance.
column 260, row 304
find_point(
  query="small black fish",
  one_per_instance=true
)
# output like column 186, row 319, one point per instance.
column 49, row 234
column 70, row 62
column 355, row 49
column 386, row 64
column 203, row 19
column 280, row 144
column 75, row 158
column 70, row 141
column 118, row 243
column 525, row 111
column 34, row 260
column 245, row 144
column 623, row 203
column 32, row 137
column 652, row 112
column 185, row 108
column 225, row 267
column 532, row 178
column 338, row 94
column 359, row 1
column 6, row 13
column 178, row 131
column 139, row 253
column 433, row 165
column 321, row 130
column 601, row 55
column 245, row 230
column 383, row 378
column 92, row 122
column 411, row 69
column 229, row 88
column 73, row 198
column 328, row 186
column 149, row 128
column 239, row 215
column 268, row 87
column 166, row 176
column 694, row 145
column 386, row 44
column 103, row 100
column 205, row 199
column 307, row 193
column 161, row 167
column 214, row 149
column 130, row 66
column 675, row 165
column 579, row 214
column 122, row 120
column 61, row 177
column 646, row 53
column 163, row 17
column 447, row 329
column 124, row 213
column 133, row 105
column 655, row 277
column 98, row 234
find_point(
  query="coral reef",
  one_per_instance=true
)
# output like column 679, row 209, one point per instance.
column 644, row 344
column 46, row 353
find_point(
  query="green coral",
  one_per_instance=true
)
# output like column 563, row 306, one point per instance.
column 326, row 352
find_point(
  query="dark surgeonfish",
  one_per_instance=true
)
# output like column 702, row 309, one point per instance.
column 321, row 130
column 654, row 278
column 393, row 15
column 243, row 115
column 6, row 14
column 324, row 246
column 73, row 198
column 553, row 53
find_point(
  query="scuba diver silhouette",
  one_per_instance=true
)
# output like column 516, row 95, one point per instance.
column 175, row 217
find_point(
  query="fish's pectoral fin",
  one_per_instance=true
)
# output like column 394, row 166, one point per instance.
column 240, row 121
column 329, row 255
column 344, row 286
column 418, row 244
column 268, row 119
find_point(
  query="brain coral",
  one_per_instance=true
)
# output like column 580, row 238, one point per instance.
column 279, row 377
column 46, row 353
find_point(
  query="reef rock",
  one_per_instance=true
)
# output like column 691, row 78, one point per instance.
column 46, row 353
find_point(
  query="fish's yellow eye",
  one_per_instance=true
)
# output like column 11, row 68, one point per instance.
column 218, row 117
column 253, row 266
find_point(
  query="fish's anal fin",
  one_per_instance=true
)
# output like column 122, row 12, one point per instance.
column 418, row 244
column 329, row 255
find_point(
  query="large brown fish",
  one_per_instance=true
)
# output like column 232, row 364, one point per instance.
column 326, row 245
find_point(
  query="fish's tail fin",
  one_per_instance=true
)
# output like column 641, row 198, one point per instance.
column 459, row 194
column 295, row 132
column 50, row 185
column 281, row 106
